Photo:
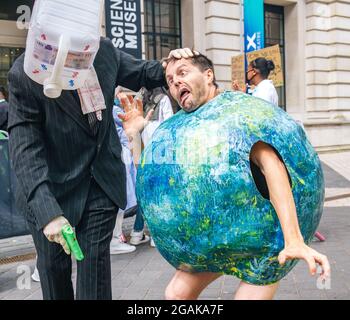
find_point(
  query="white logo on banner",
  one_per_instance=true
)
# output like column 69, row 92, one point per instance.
column 251, row 42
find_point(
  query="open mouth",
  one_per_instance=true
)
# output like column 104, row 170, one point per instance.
column 184, row 94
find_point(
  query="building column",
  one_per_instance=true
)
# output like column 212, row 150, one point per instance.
column 294, row 16
column 327, row 67
column 192, row 25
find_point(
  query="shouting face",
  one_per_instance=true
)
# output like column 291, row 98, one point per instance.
column 188, row 85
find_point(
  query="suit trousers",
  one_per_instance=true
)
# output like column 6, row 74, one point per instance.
column 94, row 233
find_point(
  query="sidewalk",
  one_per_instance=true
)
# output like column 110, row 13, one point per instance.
column 144, row 274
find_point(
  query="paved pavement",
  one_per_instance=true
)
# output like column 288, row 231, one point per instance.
column 144, row 274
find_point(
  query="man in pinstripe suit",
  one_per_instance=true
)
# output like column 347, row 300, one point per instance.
column 69, row 171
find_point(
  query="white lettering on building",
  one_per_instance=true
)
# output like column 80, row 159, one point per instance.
column 124, row 29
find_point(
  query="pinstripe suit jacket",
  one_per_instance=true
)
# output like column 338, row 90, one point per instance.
column 53, row 151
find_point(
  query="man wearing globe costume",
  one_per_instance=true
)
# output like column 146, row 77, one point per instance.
column 246, row 205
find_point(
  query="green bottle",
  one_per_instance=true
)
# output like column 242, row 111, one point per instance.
column 69, row 236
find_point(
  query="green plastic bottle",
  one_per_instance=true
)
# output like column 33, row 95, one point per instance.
column 69, row 236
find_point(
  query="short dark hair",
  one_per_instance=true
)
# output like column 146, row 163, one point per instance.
column 264, row 66
column 4, row 92
column 201, row 61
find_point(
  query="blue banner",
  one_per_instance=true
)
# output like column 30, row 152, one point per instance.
column 254, row 25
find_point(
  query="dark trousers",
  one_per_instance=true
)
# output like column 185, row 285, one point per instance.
column 94, row 234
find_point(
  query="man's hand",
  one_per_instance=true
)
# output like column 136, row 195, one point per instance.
column 53, row 233
column 133, row 123
column 133, row 119
column 178, row 54
column 300, row 250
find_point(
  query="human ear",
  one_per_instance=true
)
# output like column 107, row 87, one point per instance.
column 210, row 75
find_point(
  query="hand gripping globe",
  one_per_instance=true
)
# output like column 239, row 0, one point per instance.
column 204, row 205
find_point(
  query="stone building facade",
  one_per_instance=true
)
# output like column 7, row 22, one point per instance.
column 317, row 58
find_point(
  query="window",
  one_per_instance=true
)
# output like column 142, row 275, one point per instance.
column 7, row 58
column 8, row 9
column 162, row 27
column 274, row 34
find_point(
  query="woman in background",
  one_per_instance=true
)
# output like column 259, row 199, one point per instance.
column 257, row 75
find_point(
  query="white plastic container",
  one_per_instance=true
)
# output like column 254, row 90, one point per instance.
column 62, row 42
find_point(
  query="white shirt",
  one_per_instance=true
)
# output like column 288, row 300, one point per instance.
column 165, row 112
column 267, row 91
column 2, row 100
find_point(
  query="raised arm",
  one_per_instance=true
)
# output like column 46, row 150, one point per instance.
column 135, row 73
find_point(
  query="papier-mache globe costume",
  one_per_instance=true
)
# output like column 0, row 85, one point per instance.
column 205, row 208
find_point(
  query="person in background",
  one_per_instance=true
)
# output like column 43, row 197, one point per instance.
column 257, row 75
column 174, row 104
column 158, row 101
column 119, row 243
column 4, row 107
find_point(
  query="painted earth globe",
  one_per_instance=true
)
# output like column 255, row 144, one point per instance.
column 206, row 205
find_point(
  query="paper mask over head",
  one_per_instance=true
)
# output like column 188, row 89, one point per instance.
column 62, row 42
column 199, row 197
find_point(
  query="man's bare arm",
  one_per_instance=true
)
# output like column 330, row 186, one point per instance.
column 281, row 197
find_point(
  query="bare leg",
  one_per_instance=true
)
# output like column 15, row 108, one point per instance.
column 188, row 286
column 248, row 291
